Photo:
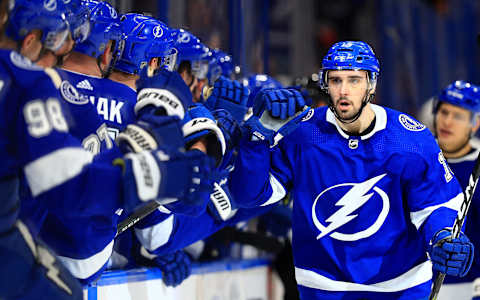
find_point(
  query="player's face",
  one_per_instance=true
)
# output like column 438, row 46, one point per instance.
column 453, row 127
column 348, row 89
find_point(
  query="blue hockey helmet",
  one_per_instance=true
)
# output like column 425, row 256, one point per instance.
column 350, row 55
column 460, row 93
column 220, row 64
column 77, row 17
column 49, row 16
column 190, row 49
column 105, row 27
column 145, row 38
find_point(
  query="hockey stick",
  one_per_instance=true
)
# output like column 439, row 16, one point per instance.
column 457, row 226
column 141, row 213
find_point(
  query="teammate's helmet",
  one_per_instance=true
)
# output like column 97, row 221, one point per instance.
column 461, row 93
column 191, row 49
column 77, row 17
column 104, row 28
column 145, row 38
column 48, row 16
column 219, row 64
column 350, row 55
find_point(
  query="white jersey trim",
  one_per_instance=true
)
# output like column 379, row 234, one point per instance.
column 468, row 157
column 380, row 123
column 418, row 217
column 278, row 191
column 84, row 268
column 157, row 235
column 413, row 277
column 64, row 164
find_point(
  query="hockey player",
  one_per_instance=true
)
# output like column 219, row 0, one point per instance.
column 373, row 192
column 456, row 113
column 192, row 61
column 88, row 65
column 35, row 131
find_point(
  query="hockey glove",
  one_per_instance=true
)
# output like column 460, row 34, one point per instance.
column 165, row 90
column 151, row 132
column 180, row 181
column 451, row 256
column 231, row 129
column 198, row 124
column 175, row 267
column 280, row 110
column 221, row 205
column 230, row 95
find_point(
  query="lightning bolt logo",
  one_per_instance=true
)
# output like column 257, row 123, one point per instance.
column 355, row 198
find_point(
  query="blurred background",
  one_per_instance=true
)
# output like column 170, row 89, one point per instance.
column 422, row 45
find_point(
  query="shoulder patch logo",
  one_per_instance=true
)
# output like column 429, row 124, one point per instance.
column 309, row 115
column 22, row 62
column 70, row 94
column 410, row 124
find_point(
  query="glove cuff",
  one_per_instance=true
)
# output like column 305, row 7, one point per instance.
column 135, row 138
column 160, row 98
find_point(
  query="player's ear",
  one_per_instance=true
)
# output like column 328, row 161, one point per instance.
column 107, row 54
column 476, row 123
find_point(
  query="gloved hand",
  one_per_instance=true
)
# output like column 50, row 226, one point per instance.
column 278, row 110
column 230, row 128
column 221, row 206
column 164, row 90
column 179, row 181
column 175, row 267
column 451, row 256
column 199, row 123
column 151, row 132
column 230, row 95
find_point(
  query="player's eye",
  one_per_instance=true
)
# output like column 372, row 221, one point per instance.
column 335, row 80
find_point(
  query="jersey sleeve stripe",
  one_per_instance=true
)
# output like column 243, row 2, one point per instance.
column 278, row 191
column 157, row 235
column 64, row 164
column 418, row 217
column 84, row 268
column 413, row 277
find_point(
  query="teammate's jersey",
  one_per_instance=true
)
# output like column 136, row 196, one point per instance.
column 365, row 207
column 35, row 144
column 84, row 243
column 462, row 168
column 114, row 101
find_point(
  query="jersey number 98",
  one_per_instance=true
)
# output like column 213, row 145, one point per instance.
column 42, row 117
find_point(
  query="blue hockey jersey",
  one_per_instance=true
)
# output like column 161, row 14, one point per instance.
column 114, row 101
column 365, row 207
column 84, row 243
column 462, row 168
column 36, row 145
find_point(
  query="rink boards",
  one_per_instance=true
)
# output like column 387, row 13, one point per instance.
column 224, row 280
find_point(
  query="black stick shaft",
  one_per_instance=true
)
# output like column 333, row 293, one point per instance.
column 457, row 226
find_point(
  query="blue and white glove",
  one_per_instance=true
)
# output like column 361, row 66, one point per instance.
column 221, row 206
column 151, row 132
column 278, row 110
column 199, row 123
column 230, row 95
column 179, row 181
column 164, row 90
column 451, row 256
